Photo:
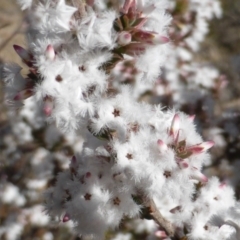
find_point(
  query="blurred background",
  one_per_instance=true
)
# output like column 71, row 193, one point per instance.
column 29, row 161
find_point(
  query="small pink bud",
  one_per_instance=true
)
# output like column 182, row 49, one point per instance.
column 222, row 185
column 50, row 53
column 23, row 53
column 192, row 118
column 201, row 147
column 182, row 164
column 124, row 38
column 24, row 94
column 143, row 36
column 162, row 146
column 197, row 175
column 47, row 110
column 160, row 234
column 66, row 218
column 133, row 49
column 48, row 106
column 149, row 37
column 174, row 129
column 158, row 39
column 128, row 4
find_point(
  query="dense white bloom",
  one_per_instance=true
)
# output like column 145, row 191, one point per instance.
column 132, row 159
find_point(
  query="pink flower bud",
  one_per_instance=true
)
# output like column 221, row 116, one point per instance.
column 197, row 175
column 149, row 37
column 128, row 4
column 191, row 117
column 24, row 54
column 160, row 234
column 201, row 147
column 162, row 146
column 158, row 39
column 174, row 129
column 133, row 49
column 124, row 38
column 48, row 106
column 182, row 164
column 222, row 185
column 24, row 94
column 50, row 53
column 66, row 218
column 143, row 36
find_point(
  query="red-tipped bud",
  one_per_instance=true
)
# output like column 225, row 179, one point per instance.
column 182, row 164
column 162, row 146
column 149, row 37
column 133, row 49
column 23, row 53
column 197, row 175
column 160, row 234
column 24, row 94
column 192, row 118
column 66, row 218
column 158, row 39
column 222, row 185
column 47, row 110
column 201, row 147
column 174, row 128
column 124, row 38
column 50, row 53
column 128, row 4
column 142, row 36
column 48, row 106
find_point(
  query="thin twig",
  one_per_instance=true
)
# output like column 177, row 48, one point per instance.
column 158, row 218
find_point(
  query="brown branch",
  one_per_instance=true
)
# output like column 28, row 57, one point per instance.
column 158, row 217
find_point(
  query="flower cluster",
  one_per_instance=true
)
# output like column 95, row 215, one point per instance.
column 134, row 159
